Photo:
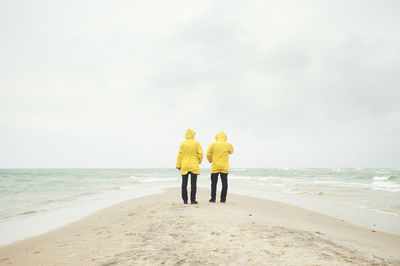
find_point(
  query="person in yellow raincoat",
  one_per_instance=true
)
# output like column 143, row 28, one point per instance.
column 189, row 157
column 218, row 155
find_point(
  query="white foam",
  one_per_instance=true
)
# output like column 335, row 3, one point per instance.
column 126, row 187
column 290, row 191
column 341, row 183
column 242, row 177
column 381, row 178
column 386, row 212
column 363, row 207
column 152, row 179
column 385, row 186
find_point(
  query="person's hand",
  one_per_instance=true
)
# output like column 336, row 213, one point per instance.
column 178, row 168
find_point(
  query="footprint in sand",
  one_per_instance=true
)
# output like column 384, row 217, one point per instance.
column 4, row 259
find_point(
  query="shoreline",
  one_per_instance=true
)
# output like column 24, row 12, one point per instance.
column 159, row 228
column 361, row 217
column 20, row 228
column 79, row 193
column 42, row 222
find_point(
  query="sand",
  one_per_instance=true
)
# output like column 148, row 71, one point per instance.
column 160, row 229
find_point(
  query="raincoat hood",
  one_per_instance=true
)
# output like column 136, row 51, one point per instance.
column 190, row 134
column 221, row 136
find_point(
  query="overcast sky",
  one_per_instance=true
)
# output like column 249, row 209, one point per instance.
column 117, row 83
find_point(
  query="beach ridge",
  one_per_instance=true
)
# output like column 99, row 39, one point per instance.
column 159, row 229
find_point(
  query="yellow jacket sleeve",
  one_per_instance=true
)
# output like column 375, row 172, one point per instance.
column 199, row 152
column 178, row 160
column 209, row 154
column 231, row 149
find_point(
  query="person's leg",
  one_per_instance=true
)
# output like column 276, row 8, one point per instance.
column 224, row 179
column 184, row 188
column 193, row 184
column 214, row 181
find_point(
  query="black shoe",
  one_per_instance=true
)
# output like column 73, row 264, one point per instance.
column 194, row 202
column 185, row 202
column 222, row 201
column 212, row 200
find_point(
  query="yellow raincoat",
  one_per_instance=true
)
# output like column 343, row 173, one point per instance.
column 190, row 154
column 218, row 154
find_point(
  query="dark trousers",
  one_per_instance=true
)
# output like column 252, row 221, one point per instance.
column 214, row 181
column 193, row 185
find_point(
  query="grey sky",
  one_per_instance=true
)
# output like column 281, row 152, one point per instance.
column 117, row 83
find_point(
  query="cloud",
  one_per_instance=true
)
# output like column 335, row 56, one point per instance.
column 95, row 84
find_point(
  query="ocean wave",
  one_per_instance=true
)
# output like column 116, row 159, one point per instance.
column 275, row 178
column 382, row 183
column 261, row 178
column 26, row 213
column 341, row 183
column 239, row 169
column 152, row 179
column 385, row 186
column 381, row 178
column 290, row 191
column 126, row 187
column 386, row 212
column 242, row 177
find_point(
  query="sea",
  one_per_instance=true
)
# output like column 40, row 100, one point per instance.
column 34, row 201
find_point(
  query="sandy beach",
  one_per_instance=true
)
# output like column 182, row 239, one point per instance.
column 160, row 229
